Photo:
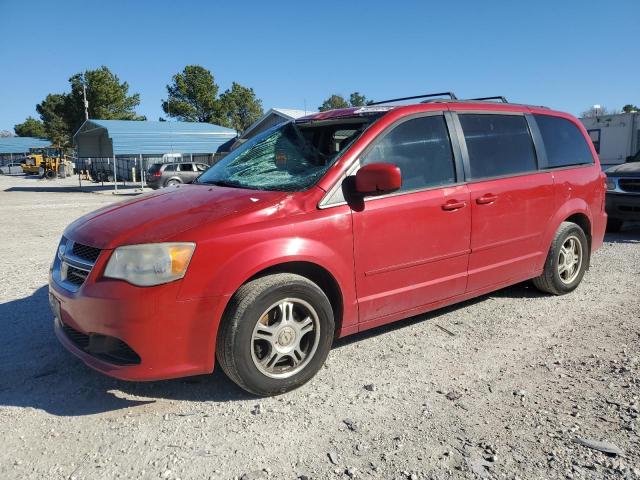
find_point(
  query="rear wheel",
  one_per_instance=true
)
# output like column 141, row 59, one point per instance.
column 172, row 182
column 276, row 334
column 566, row 262
column 614, row 225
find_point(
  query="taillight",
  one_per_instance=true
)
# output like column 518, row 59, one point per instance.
column 156, row 174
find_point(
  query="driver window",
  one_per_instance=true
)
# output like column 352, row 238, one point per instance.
column 421, row 148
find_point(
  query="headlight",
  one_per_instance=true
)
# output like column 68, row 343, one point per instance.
column 150, row 264
column 611, row 183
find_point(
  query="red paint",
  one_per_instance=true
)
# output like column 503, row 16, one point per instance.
column 391, row 257
column 378, row 177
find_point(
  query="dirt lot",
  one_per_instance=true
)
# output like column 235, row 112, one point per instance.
column 503, row 397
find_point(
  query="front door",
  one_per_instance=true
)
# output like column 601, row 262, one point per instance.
column 411, row 247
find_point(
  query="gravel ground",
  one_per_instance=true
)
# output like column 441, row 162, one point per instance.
column 503, row 395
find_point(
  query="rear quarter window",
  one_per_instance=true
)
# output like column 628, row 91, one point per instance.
column 563, row 142
column 498, row 145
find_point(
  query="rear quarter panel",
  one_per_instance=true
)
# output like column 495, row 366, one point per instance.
column 578, row 190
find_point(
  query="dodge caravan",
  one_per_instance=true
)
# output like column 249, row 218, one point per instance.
column 325, row 226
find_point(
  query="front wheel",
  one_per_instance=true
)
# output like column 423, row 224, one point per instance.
column 276, row 334
column 566, row 262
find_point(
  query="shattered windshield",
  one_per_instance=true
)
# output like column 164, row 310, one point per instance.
column 288, row 157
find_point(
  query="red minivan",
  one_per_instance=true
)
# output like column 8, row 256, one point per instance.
column 326, row 226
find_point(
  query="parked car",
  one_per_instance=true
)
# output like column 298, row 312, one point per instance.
column 11, row 168
column 623, row 193
column 167, row 174
column 326, row 226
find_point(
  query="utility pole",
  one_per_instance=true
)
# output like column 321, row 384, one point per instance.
column 86, row 103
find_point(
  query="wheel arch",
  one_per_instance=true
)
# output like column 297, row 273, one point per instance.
column 318, row 275
column 583, row 221
column 315, row 272
column 177, row 179
column 576, row 211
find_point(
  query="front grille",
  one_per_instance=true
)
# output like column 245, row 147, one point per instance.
column 86, row 252
column 74, row 263
column 109, row 349
column 631, row 185
column 76, row 276
column 628, row 209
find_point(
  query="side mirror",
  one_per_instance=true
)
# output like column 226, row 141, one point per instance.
column 378, row 178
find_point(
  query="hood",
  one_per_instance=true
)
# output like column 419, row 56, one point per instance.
column 164, row 214
column 631, row 169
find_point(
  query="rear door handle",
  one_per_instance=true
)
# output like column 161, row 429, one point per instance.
column 487, row 198
column 453, row 205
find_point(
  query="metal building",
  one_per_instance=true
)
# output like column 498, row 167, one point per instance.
column 134, row 145
column 273, row 117
column 12, row 148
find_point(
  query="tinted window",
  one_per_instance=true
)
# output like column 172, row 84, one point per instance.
column 564, row 143
column 498, row 145
column 185, row 167
column 421, row 149
column 170, row 168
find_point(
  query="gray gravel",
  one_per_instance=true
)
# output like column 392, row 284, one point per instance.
column 505, row 396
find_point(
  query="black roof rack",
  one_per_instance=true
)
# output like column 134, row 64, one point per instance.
column 428, row 95
column 501, row 98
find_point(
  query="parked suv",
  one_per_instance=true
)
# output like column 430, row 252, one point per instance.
column 168, row 174
column 326, row 226
column 623, row 193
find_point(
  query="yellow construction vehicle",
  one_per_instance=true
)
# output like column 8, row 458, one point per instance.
column 47, row 162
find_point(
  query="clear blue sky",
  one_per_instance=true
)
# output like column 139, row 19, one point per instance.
column 565, row 54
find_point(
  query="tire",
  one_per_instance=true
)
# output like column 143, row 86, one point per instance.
column 253, row 311
column 558, row 282
column 172, row 182
column 49, row 175
column 614, row 225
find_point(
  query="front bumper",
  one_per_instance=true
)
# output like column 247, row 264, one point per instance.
column 623, row 206
column 171, row 337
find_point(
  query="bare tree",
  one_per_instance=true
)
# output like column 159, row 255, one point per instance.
column 596, row 111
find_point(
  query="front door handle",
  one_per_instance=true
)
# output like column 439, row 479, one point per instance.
column 453, row 205
column 487, row 198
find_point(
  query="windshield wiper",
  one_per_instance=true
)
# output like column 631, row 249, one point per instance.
column 221, row 183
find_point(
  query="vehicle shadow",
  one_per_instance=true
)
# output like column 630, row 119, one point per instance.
column 630, row 233
column 37, row 372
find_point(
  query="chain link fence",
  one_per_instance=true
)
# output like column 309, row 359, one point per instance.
column 129, row 171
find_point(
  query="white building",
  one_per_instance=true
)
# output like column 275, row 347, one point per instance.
column 615, row 137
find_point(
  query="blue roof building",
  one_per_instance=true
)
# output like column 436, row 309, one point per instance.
column 12, row 147
column 109, row 138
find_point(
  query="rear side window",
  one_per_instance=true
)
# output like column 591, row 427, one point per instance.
column 170, row 168
column 421, row 149
column 563, row 141
column 498, row 145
